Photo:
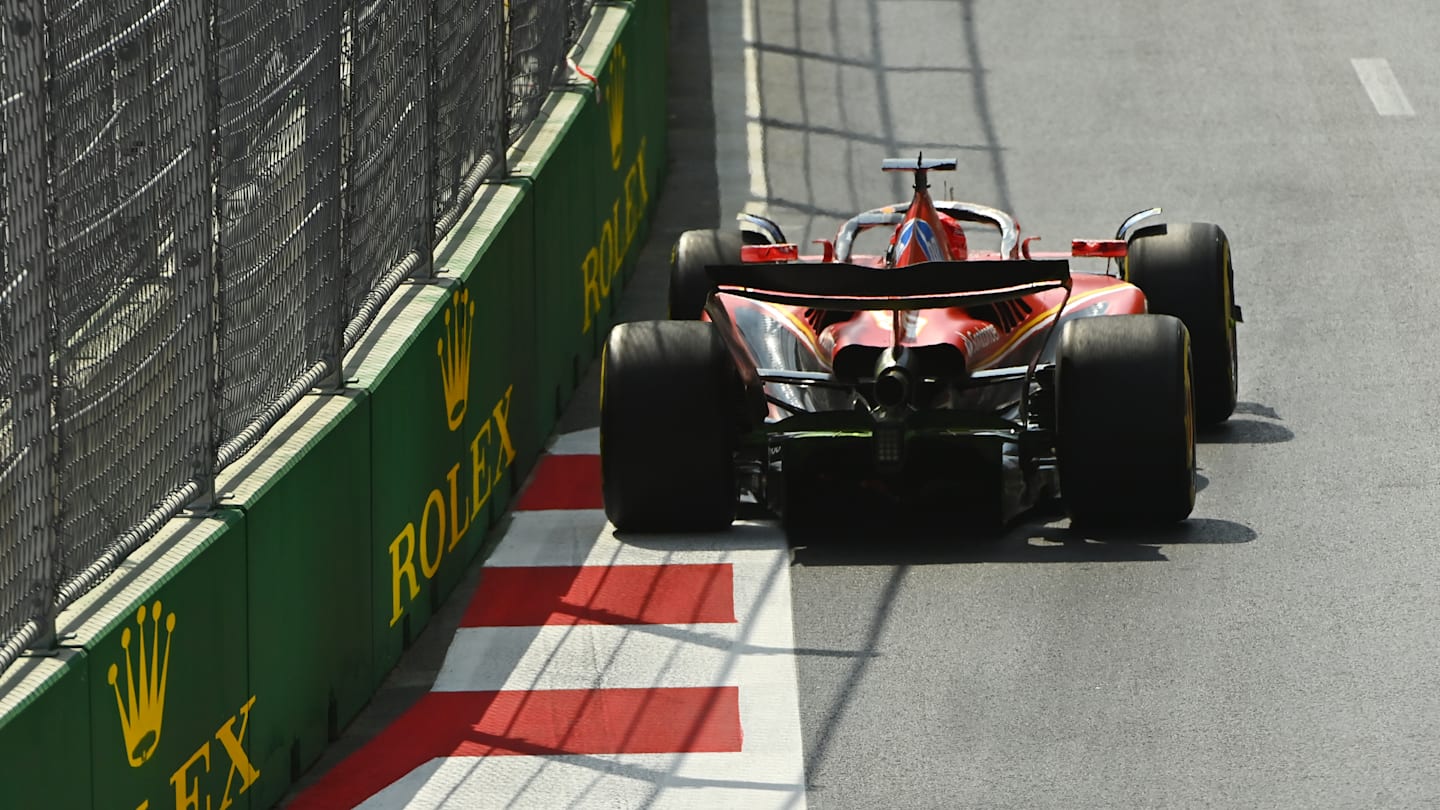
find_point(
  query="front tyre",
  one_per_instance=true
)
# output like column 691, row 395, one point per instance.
column 1125, row 427
column 1184, row 270
column 668, row 394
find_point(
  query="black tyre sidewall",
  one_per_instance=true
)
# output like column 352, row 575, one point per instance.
column 1184, row 270
column 668, row 393
column 693, row 252
column 1125, row 429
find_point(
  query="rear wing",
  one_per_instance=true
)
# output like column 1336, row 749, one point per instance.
column 855, row 288
column 919, row 164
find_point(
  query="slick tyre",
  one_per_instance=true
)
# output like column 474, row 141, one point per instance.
column 1125, row 435
column 668, row 395
column 1184, row 270
column 694, row 251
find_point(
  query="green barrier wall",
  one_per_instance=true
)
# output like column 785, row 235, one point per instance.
column 44, row 715
column 556, row 162
column 494, row 255
column 171, row 706
column 303, row 493
column 615, row 155
column 411, row 450
column 629, row 159
column 222, row 656
column 448, row 417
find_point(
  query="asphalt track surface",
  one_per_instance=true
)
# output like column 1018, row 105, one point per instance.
column 1277, row 650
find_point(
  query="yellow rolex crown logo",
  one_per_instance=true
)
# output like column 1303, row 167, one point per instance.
column 142, row 707
column 616, row 97
column 454, row 351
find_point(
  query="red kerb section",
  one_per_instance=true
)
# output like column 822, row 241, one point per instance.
column 564, row 721
column 618, row 594
column 563, row 482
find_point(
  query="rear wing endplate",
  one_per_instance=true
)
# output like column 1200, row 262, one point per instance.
column 927, row 285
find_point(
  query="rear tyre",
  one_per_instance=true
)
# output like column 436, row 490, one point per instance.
column 668, row 395
column 1184, row 270
column 694, row 251
column 1125, row 430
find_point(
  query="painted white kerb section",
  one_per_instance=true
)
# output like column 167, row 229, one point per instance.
column 756, row 655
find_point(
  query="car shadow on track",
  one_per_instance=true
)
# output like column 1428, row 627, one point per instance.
column 1245, row 428
column 929, row 541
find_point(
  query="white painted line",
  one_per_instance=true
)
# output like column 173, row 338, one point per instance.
column 1384, row 89
column 653, row 781
column 483, row 659
column 582, row 537
column 548, row 537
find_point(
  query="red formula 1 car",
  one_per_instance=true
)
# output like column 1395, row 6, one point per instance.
column 959, row 368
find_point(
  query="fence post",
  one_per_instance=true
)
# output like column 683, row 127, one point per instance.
column 27, row 255
column 507, row 48
column 346, row 208
column 326, row 161
column 502, row 138
column 425, row 226
column 197, row 237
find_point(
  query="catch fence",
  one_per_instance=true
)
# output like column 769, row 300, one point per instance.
column 204, row 206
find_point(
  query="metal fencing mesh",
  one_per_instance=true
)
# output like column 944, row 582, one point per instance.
column 389, row 143
column 469, row 84
column 130, row 257
column 579, row 14
column 278, row 116
column 203, row 205
column 537, row 56
column 26, row 490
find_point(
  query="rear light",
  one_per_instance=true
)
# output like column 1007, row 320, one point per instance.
column 889, row 446
column 761, row 254
column 1098, row 248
